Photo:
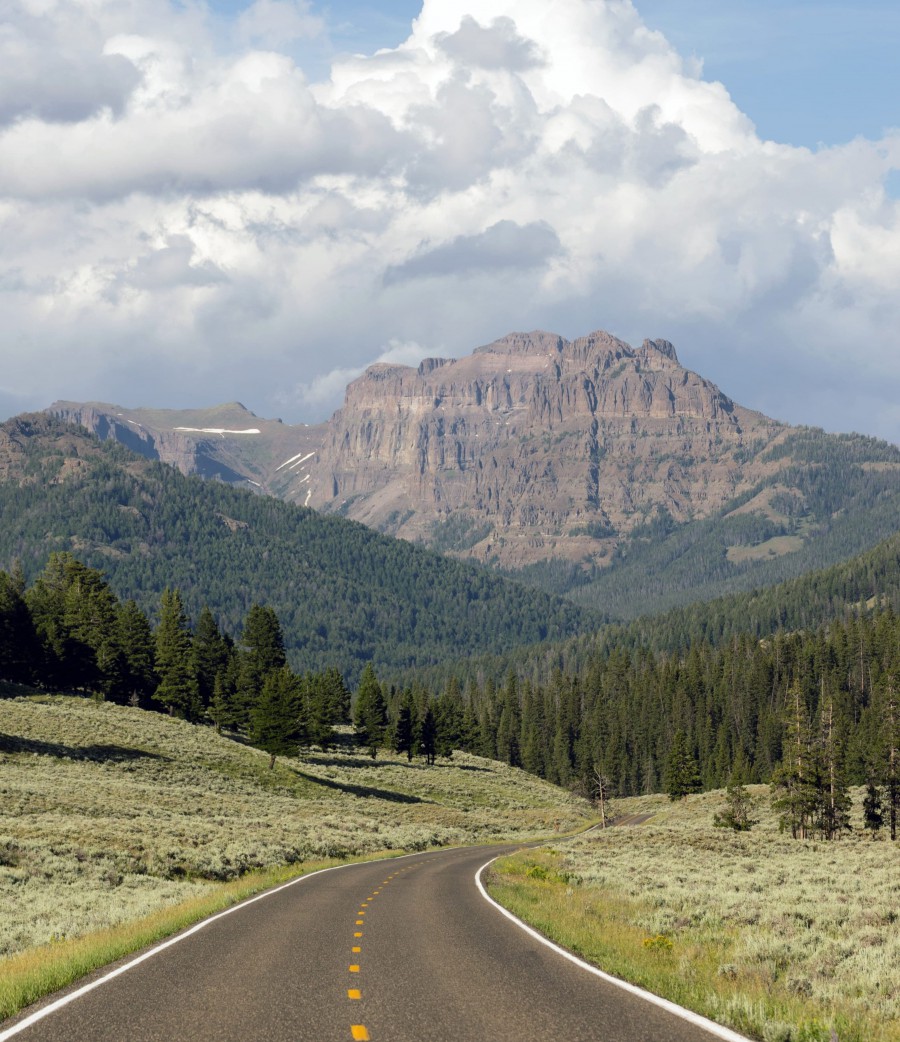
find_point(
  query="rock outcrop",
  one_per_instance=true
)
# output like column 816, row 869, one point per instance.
column 227, row 442
column 530, row 448
column 535, row 447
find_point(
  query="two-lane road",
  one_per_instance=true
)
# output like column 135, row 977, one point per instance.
column 406, row 950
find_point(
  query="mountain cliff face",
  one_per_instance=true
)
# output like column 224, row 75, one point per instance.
column 536, row 447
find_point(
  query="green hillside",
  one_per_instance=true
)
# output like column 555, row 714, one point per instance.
column 868, row 580
column 344, row 594
column 838, row 496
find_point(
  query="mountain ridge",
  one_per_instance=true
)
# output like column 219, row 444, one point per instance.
column 344, row 593
column 565, row 463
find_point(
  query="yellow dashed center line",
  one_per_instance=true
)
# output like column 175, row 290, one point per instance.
column 359, row 1031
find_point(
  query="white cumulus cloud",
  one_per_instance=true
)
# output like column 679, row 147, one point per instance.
column 186, row 215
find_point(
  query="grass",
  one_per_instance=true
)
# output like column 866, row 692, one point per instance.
column 783, row 940
column 777, row 546
column 118, row 826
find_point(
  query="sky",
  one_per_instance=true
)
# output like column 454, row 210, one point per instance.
column 255, row 199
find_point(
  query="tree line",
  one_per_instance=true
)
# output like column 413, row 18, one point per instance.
column 341, row 591
column 810, row 712
column 69, row 632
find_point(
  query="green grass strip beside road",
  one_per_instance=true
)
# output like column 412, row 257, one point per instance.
column 599, row 926
column 32, row 974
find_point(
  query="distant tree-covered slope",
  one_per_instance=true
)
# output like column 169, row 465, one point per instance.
column 838, row 496
column 868, row 580
column 345, row 595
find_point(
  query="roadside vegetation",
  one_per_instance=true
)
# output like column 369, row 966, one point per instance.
column 110, row 815
column 784, row 940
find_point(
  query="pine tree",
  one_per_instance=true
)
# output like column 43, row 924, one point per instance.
column 428, row 736
column 890, row 750
column 873, row 818
column 19, row 645
column 337, row 694
column 73, row 611
column 370, row 712
column 261, row 653
column 449, row 713
column 682, row 774
column 404, row 737
column 834, row 798
column 211, row 653
column 139, row 650
column 263, row 639
column 794, row 787
column 277, row 724
column 739, row 804
column 222, row 709
column 601, row 791
column 177, row 688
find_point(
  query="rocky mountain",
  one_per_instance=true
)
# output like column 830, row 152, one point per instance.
column 226, row 442
column 345, row 595
column 536, row 452
column 536, row 447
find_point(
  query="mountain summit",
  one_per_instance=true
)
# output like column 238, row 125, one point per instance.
column 537, row 450
column 535, row 446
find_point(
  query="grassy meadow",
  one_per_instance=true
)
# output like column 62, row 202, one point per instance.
column 119, row 822
column 784, row 940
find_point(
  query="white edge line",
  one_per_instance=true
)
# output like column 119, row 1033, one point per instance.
column 52, row 1007
column 670, row 1007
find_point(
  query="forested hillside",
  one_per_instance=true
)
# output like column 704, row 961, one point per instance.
column 647, row 722
column 863, row 582
column 839, row 495
column 343, row 593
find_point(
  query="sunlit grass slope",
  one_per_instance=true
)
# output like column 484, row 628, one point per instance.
column 109, row 815
column 787, row 941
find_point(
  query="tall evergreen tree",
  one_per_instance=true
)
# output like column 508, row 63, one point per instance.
column 682, row 774
column 277, row 722
column 19, row 646
column 263, row 639
column 139, row 651
column 225, row 709
column 370, row 712
column 338, row 696
column 428, row 735
column 405, row 726
column 261, row 652
column 794, row 788
column 834, row 795
column 177, row 688
column 509, row 728
column 873, row 818
column 449, row 712
column 73, row 612
column 211, row 652
column 889, row 711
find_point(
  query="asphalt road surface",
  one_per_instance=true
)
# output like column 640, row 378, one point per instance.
column 406, row 950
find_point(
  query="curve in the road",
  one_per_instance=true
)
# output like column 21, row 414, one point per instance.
column 385, row 951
